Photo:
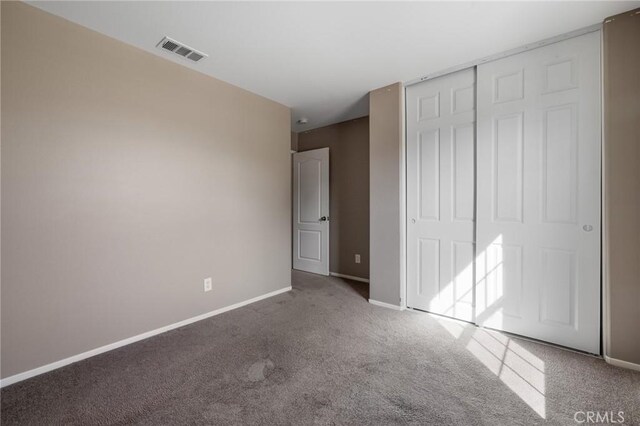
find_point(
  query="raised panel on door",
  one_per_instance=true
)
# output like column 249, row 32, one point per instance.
column 428, row 285
column 462, row 264
column 560, row 164
column 441, row 194
column 506, row 173
column 496, row 264
column 309, row 175
column 429, row 174
column 558, row 286
column 463, row 172
column 538, row 198
column 310, row 245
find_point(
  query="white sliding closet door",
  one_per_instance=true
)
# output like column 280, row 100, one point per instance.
column 440, row 194
column 538, row 193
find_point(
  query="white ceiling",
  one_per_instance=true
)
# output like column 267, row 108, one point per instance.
column 321, row 59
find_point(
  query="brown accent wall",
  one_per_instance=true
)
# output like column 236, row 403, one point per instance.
column 348, row 144
column 126, row 180
column 622, row 180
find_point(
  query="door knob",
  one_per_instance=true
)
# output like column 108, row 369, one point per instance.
column 588, row 228
column 324, row 219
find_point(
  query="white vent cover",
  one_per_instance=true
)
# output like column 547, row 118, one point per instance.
column 181, row 49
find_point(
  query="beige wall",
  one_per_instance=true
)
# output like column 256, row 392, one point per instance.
column 126, row 180
column 385, row 153
column 622, row 180
column 348, row 144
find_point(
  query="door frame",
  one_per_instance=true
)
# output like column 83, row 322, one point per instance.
column 604, row 285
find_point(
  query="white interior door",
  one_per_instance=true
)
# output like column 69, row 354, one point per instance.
column 440, row 194
column 311, row 211
column 538, row 193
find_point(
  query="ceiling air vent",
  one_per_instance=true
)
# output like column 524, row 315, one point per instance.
column 181, row 49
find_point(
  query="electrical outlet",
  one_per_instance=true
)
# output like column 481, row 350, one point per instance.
column 357, row 258
column 208, row 284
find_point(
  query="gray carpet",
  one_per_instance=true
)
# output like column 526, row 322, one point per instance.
column 321, row 354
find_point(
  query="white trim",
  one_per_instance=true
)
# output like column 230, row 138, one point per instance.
column 511, row 52
column 605, row 295
column 386, row 305
column 621, row 363
column 349, row 277
column 403, row 200
column 75, row 358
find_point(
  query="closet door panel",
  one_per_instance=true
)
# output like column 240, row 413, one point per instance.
column 441, row 195
column 538, row 193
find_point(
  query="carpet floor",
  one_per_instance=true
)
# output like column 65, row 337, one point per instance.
column 320, row 354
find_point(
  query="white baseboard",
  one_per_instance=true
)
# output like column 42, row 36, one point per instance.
column 621, row 363
column 386, row 305
column 75, row 358
column 349, row 277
